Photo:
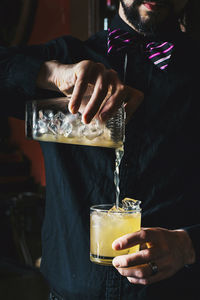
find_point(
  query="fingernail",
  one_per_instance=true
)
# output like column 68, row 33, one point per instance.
column 86, row 119
column 73, row 108
column 116, row 263
column 116, row 245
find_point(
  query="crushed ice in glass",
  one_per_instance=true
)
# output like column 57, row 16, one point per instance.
column 67, row 125
column 127, row 204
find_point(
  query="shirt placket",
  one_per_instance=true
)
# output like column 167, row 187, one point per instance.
column 113, row 284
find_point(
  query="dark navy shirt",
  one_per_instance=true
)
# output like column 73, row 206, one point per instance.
column 160, row 166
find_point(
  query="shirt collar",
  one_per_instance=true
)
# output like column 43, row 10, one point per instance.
column 117, row 22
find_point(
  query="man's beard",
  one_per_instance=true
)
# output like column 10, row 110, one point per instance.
column 151, row 26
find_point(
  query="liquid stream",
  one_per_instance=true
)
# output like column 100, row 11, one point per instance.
column 119, row 152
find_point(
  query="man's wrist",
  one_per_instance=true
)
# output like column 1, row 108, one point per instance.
column 189, row 255
column 46, row 78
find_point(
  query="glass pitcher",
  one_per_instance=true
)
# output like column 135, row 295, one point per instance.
column 50, row 120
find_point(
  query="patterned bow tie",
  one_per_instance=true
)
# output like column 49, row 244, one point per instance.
column 158, row 52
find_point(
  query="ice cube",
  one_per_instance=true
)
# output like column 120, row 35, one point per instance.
column 66, row 129
column 81, row 130
column 42, row 126
column 130, row 204
column 92, row 130
column 91, row 135
column 60, row 116
column 48, row 114
column 75, row 120
column 54, row 126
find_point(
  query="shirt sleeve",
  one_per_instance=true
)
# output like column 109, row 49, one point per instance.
column 18, row 75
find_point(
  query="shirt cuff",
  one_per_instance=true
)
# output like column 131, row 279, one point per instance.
column 194, row 233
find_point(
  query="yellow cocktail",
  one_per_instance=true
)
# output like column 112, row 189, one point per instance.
column 106, row 226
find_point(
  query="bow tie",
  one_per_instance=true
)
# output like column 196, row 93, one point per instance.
column 158, row 52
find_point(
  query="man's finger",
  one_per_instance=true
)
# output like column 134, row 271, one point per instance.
column 161, row 275
column 142, row 274
column 142, row 236
column 77, row 95
column 83, row 74
column 113, row 103
column 98, row 96
column 138, row 258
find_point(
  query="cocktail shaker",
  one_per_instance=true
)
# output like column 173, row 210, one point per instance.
column 50, row 120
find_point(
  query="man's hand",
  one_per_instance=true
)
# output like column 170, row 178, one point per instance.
column 75, row 79
column 169, row 250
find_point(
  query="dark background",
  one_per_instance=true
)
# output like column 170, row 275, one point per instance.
column 22, row 175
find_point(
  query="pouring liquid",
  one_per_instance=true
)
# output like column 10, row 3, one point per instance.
column 119, row 152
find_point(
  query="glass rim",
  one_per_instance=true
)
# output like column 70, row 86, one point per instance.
column 102, row 208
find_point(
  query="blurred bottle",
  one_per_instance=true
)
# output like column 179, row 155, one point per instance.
column 109, row 10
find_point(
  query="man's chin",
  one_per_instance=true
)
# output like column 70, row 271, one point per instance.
column 145, row 26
